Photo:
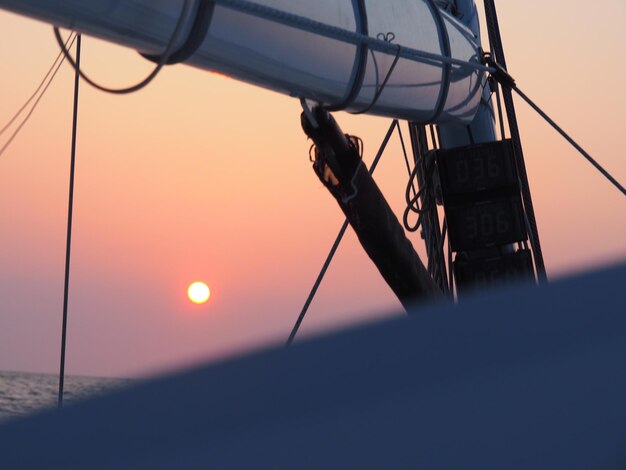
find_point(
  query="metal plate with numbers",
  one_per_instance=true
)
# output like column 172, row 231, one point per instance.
column 493, row 271
column 481, row 167
column 481, row 225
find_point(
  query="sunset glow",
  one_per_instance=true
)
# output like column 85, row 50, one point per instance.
column 202, row 178
column 198, row 293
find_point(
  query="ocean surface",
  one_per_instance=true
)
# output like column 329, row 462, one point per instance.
column 23, row 393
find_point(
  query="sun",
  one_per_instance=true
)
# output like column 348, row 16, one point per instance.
column 198, row 292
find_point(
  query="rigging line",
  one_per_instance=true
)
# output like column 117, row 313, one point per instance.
column 333, row 250
column 433, row 137
column 424, row 193
column 430, row 219
column 39, row 87
column 34, row 107
column 450, row 269
column 444, row 267
column 500, row 115
column 161, row 63
column 406, row 155
column 589, row 158
column 70, row 212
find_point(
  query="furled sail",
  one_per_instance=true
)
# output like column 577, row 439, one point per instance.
column 398, row 58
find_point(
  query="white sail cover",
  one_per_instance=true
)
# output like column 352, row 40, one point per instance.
column 336, row 52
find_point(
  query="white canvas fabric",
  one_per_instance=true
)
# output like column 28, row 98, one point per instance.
column 308, row 49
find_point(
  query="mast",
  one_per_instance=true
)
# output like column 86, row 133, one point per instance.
column 482, row 185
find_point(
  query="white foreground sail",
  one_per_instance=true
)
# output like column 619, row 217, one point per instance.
column 336, row 52
column 527, row 378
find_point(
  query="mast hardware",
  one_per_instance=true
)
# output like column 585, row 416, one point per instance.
column 499, row 73
column 337, row 161
column 337, row 156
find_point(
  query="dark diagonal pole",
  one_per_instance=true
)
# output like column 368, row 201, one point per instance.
column 336, row 244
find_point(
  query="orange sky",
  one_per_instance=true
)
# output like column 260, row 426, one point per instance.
column 202, row 177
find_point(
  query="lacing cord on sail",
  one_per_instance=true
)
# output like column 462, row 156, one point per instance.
column 380, row 87
column 164, row 59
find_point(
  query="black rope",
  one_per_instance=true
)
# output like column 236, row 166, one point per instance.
column 412, row 195
column 589, row 158
column 413, row 202
column 70, row 211
column 411, row 184
column 430, row 220
column 131, row 89
column 428, row 204
column 333, row 250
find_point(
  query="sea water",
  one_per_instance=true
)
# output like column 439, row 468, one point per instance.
column 23, row 393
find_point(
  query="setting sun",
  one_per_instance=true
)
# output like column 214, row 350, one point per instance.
column 198, row 292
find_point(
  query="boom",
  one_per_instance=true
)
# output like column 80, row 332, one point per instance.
column 403, row 59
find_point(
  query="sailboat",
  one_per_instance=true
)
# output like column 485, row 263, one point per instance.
column 380, row 66
column 420, row 61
